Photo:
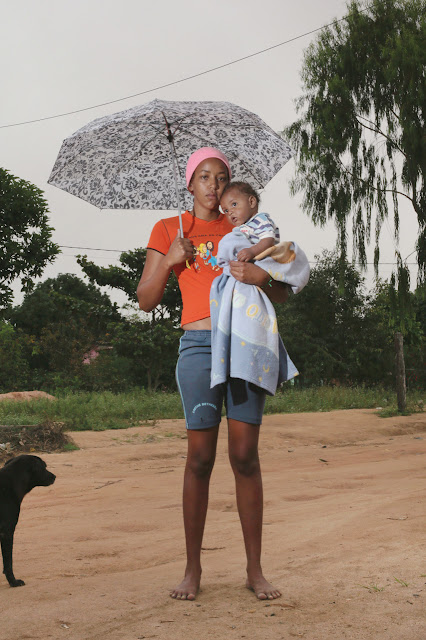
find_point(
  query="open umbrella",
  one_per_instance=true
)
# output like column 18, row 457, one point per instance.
column 136, row 159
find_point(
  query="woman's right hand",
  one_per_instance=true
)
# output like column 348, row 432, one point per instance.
column 180, row 250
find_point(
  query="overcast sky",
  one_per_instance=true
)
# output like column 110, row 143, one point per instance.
column 59, row 56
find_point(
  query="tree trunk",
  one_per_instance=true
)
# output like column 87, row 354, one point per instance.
column 401, row 390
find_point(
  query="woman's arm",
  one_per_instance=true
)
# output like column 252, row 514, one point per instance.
column 250, row 273
column 157, row 270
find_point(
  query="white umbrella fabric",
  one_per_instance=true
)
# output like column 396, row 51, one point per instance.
column 136, row 159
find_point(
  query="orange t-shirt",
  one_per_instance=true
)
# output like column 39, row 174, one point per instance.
column 194, row 283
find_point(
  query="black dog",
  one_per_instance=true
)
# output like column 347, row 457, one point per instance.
column 17, row 478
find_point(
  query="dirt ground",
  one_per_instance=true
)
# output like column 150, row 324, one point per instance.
column 344, row 537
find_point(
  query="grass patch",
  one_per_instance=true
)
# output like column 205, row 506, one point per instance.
column 81, row 411
column 70, row 446
column 412, row 407
column 372, row 588
column 401, row 582
column 294, row 400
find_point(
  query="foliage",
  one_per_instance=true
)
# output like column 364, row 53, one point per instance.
column 360, row 136
column 151, row 347
column 63, row 345
column 148, row 347
column 25, row 235
column 14, row 351
column 64, row 318
column 57, row 301
column 335, row 334
column 339, row 334
column 126, row 278
column 415, row 341
column 323, row 326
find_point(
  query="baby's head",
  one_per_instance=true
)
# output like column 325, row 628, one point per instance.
column 239, row 202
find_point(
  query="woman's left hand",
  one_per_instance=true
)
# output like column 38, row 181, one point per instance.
column 248, row 273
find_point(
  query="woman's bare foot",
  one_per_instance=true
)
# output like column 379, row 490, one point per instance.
column 263, row 589
column 188, row 588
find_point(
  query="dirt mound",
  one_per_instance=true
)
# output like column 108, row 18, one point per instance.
column 25, row 395
column 48, row 436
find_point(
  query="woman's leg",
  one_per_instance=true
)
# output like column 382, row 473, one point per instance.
column 243, row 441
column 199, row 465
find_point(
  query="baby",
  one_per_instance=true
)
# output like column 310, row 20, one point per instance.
column 240, row 203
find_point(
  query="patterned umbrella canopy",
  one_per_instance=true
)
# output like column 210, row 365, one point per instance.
column 127, row 160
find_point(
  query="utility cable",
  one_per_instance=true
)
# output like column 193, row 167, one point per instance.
column 175, row 82
column 127, row 250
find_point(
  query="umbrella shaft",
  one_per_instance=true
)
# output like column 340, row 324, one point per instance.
column 174, row 163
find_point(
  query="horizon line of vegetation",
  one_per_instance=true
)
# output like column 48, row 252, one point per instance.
column 97, row 411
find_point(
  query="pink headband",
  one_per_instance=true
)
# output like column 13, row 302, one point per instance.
column 203, row 154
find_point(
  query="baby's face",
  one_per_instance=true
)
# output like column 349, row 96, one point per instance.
column 238, row 207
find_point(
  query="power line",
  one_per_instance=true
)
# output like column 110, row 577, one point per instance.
column 93, row 249
column 175, row 82
column 127, row 250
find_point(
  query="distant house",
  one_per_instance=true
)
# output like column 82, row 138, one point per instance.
column 91, row 355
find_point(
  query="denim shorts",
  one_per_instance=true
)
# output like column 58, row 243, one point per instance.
column 203, row 406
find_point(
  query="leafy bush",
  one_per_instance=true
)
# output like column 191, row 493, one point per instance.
column 14, row 349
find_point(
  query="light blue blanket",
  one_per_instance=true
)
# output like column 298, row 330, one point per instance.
column 245, row 339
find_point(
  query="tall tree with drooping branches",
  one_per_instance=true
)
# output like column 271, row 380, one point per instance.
column 360, row 137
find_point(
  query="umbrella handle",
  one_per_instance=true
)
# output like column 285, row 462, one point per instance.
column 174, row 165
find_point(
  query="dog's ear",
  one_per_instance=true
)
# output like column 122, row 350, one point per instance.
column 7, row 461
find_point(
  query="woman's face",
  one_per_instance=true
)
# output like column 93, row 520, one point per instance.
column 208, row 182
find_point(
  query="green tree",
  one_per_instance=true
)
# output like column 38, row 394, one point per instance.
column 416, row 356
column 25, row 235
column 383, row 319
column 152, row 349
column 360, row 138
column 14, row 350
column 323, row 326
column 64, row 318
column 343, row 335
column 64, row 345
column 58, row 300
column 126, row 278
column 150, row 346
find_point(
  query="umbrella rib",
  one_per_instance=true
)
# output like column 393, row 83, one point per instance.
column 175, row 166
column 90, row 146
column 179, row 123
column 143, row 146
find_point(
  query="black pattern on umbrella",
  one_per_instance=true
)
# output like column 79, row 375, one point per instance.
column 124, row 160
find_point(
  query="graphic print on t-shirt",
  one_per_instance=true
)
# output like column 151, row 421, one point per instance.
column 203, row 255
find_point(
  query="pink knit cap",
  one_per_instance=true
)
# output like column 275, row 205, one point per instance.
column 203, row 154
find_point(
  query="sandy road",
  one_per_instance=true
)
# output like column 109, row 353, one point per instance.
column 344, row 534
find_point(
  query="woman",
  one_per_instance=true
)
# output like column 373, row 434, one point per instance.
column 207, row 174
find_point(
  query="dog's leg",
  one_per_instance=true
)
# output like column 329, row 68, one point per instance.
column 6, row 549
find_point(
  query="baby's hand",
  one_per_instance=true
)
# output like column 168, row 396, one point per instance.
column 245, row 255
